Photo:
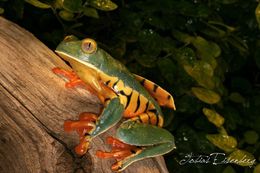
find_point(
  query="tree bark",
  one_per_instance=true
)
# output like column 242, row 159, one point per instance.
column 33, row 106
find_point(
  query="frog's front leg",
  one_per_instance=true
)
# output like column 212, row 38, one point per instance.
column 90, row 125
column 73, row 79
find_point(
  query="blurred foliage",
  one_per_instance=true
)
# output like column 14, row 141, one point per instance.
column 205, row 52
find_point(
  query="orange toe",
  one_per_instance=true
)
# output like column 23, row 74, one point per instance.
column 82, row 147
column 87, row 116
column 116, row 154
column 68, row 74
column 115, row 143
column 75, row 125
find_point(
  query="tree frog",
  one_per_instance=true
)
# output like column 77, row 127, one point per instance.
column 125, row 96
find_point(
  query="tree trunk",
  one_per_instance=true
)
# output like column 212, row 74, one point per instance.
column 33, row 106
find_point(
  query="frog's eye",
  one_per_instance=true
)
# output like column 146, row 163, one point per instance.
column 89, row 46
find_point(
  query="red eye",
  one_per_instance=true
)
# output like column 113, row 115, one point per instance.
column 89, row 46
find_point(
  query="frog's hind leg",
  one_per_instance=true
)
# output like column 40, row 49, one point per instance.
column 119, row 149
column 149, row 141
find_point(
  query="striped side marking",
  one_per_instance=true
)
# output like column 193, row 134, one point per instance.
column 142, row 82
column 107, row 99
column 107, row 82
column 132, row 102
column 145, row 118
column 128, row 97
column 142, row 118
column 155, row 117
column 142, row 105
column 137, row 104
column 155, row 87
column 149, row 118
column 113, row 86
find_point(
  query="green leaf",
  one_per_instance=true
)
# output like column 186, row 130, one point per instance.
column 186, row 56
column 182, row 36
column 257, row 169
column 222, row 25
column 38, row 4
column 213, row 117
column 213, row 31
column 202, row 72
column 1, row 10
column 57, row 4
column 251, row 137
column 206, row 50
column 146, row 60
column 90, row 12
column 257, row 14
column 224, row 142
column 236, row 97
column 241, row 157
column 72, row 5
column 238, row 43
column 66, row 15
column 222, row 131
column 105, row 5
column 206, row 95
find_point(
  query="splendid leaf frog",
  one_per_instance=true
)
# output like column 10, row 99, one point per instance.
column 124, row 95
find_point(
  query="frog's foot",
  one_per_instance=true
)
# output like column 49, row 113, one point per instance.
column 83, row 127
column 73, row 79
column 119, row 151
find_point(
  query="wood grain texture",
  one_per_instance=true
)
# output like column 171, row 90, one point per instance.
column 33, row 106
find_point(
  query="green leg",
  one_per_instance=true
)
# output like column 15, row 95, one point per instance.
column 155, row 140
column 110, row 116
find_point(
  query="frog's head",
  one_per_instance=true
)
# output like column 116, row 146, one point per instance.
column 83, row 51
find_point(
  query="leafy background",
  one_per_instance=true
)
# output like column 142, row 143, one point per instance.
column 205, row 52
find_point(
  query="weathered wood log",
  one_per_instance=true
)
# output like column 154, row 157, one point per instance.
column 33, row 106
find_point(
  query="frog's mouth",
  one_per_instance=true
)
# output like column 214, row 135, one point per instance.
column 64, row 56
column 72, row 59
